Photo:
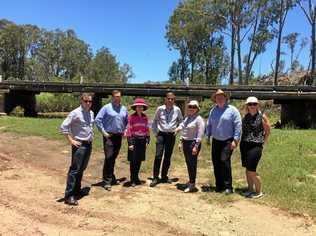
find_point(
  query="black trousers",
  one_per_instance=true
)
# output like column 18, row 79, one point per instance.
column 164, row 147
column 134, row 167
column 221, row 158
column 190, row 159
column 79, row 161
column 111, row 146
column 136, row 157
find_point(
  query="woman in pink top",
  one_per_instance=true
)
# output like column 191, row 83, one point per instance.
column 138, row 138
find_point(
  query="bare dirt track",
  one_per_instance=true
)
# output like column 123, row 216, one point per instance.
column 32, row 180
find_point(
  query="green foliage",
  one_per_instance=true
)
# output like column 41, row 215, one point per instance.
column 30, row 53
column 48, row 102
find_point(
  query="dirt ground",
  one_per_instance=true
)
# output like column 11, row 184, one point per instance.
column 32, row 181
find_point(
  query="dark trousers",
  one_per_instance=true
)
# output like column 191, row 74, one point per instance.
column 221, row 157
column 164, row 147
column 134, row 167
column 79, row 161
column 190, row 159
column 111, row 146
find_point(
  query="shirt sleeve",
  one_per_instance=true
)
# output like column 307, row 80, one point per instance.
column 65, row 126
column 201, row 129
column 129, row 127
column 237, row 124
column 180, row 116
column 208, row 131
column 99, row 120
column 155, row 123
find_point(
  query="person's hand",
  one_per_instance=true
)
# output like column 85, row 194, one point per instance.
column 194, row 151
column 131, row 147
column 233, row 145
column 106, row 135
column 75, row 143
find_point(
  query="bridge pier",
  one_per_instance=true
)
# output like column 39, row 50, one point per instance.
column 24, row 99
column 96, row 103
column 299, row 113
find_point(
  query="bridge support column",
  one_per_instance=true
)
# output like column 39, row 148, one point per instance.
column 299, row 113
column 2, row 94
column 24, row 99
column 97, row 103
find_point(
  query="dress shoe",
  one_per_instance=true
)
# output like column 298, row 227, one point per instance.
column 115, row 182
column 107, row 187
column 154, row 182
column 138, row 182
column 133, row 184
column 71, row 201
column 165, row 180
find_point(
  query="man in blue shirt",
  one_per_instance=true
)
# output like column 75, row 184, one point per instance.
column 111, row 122
column 224, row 125
column 78, row 130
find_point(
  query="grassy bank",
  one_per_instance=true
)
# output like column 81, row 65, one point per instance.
column 288, row 167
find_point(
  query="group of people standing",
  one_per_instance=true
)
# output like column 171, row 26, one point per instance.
column 224, row 125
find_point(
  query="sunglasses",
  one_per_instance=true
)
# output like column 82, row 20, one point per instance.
column 192, row 107
column 252, row 104
column 170, row 99
column 87, row 101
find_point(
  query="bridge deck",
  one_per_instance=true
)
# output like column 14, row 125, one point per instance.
column 159, row 90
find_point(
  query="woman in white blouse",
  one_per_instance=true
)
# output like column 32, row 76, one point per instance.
column 192, row 131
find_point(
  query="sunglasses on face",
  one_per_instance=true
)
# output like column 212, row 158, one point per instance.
column 192, row 107
column 252, row 104
column 87, row 101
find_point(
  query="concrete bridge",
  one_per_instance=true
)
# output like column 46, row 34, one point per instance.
column 298, row 102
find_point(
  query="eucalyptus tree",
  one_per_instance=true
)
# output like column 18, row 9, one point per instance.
column 192, row 23
column 309, row 9
column 281, row 9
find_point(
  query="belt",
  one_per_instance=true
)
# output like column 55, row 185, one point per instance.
column 167, row 133
column 115, row 134
column 84, row 142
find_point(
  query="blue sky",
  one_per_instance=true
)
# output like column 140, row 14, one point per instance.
column 133, row 30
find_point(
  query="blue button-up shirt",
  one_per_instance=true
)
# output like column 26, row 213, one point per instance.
column 112, row 118
column 224, row 123
column 79, row 124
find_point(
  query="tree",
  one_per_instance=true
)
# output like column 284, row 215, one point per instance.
column 192, row 23
column 310, row 13
column 281, row 7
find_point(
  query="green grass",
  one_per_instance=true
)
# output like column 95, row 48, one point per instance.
column 287, row 168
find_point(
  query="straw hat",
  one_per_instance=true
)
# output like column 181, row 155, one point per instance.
column 219, row 92
column 139, row 102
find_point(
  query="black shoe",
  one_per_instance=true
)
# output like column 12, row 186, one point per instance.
column 165, row 180
column 154, row 182
column 219, row 190
column 228, row 191
column 138, row 182
column 115, row 182
column 133, row 184
column 107, row 187
column 71, row 201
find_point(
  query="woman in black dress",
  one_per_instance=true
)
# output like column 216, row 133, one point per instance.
column 255, row 132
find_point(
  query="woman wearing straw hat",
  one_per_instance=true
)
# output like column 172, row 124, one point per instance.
column 138, row 138
column 192, row 131
column 224, row 125
column 255, row 132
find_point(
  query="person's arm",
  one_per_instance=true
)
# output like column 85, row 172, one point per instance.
column 266, row 127
column 208, row 130
column 99, row 122
column 65, row 129
column 155, row 123
column 237, row 128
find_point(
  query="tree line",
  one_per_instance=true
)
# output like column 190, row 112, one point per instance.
column 200, row 29
column 28, row 52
